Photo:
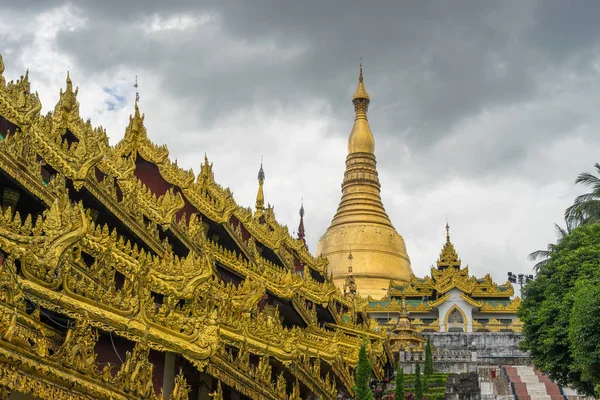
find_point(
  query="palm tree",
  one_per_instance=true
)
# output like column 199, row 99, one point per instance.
column 586, row 207
column 544, row 255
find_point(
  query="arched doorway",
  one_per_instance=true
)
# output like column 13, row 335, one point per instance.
column 455, row 320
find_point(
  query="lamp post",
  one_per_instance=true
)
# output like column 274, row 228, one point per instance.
column 521, row 279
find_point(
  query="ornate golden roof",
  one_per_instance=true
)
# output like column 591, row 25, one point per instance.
column 68, row 262
column 361, row 221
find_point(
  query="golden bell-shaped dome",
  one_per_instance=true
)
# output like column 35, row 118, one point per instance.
column 361, row 223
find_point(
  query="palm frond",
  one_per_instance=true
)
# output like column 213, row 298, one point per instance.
column 538, row 254
column 561, row 232
column 589, row 180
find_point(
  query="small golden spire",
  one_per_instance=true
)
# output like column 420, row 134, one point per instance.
column 361, row 93
column 448, row 256
column 260, row 196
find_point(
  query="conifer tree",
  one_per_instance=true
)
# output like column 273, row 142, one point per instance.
column 362, row 391
column 418, row 387
column 399, row 391
column 428, row 371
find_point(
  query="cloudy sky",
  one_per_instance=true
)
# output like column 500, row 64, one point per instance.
column 481, row 111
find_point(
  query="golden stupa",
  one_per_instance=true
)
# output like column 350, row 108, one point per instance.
column 361, row 225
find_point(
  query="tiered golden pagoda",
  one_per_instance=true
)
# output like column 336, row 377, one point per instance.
column 361, row 223
column 123, row 276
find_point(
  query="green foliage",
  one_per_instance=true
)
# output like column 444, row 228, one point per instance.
column 362, row 391
column 586, row 207
column 428, row 360
column 399, row 391
column 436, row 383
column 561, row 311
column 584, row 335
column 418, row 386
column 436, row 396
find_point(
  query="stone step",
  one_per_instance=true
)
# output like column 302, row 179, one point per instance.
column 529, row 384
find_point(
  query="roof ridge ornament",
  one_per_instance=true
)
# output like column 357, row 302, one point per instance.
column 260, row 196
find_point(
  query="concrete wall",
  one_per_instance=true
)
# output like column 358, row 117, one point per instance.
column 456, row 352
column 486, row 344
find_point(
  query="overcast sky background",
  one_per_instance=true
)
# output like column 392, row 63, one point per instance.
column 482, row 111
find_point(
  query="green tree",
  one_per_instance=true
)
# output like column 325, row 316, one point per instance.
column 418, row 386
column 428, row 370
column 584, row 336
column 586, row 207
column 399, row 391
column 560, row 311
column 362, row 391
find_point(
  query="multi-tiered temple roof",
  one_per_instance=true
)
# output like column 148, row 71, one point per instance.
column 124, row 275
column 425, row 296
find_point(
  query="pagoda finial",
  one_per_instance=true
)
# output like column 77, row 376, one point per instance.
column 260, row 196
column 361, row 93
column 360, row 77
column 301, row 234
column 447, row 231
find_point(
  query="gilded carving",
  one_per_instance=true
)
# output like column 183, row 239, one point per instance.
column 110, row 254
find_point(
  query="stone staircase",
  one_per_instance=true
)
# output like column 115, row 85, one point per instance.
column 528, row 384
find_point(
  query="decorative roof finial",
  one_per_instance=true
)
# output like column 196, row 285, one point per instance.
column 260, row 196
column 448, row 256
column 360, row 95
column 301, row 234
column 360, row 76
column 137, row 94
column 261, row 172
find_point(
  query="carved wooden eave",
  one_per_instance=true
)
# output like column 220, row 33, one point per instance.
column 66, row 263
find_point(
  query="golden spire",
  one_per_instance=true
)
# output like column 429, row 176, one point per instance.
column 360, row 93
column 361, row 200
column 448, row 255
column 361, row 139
column 260, row 196
column 361, row 220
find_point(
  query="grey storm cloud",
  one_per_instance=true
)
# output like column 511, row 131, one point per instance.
column 428, row 64
column 484, row 110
